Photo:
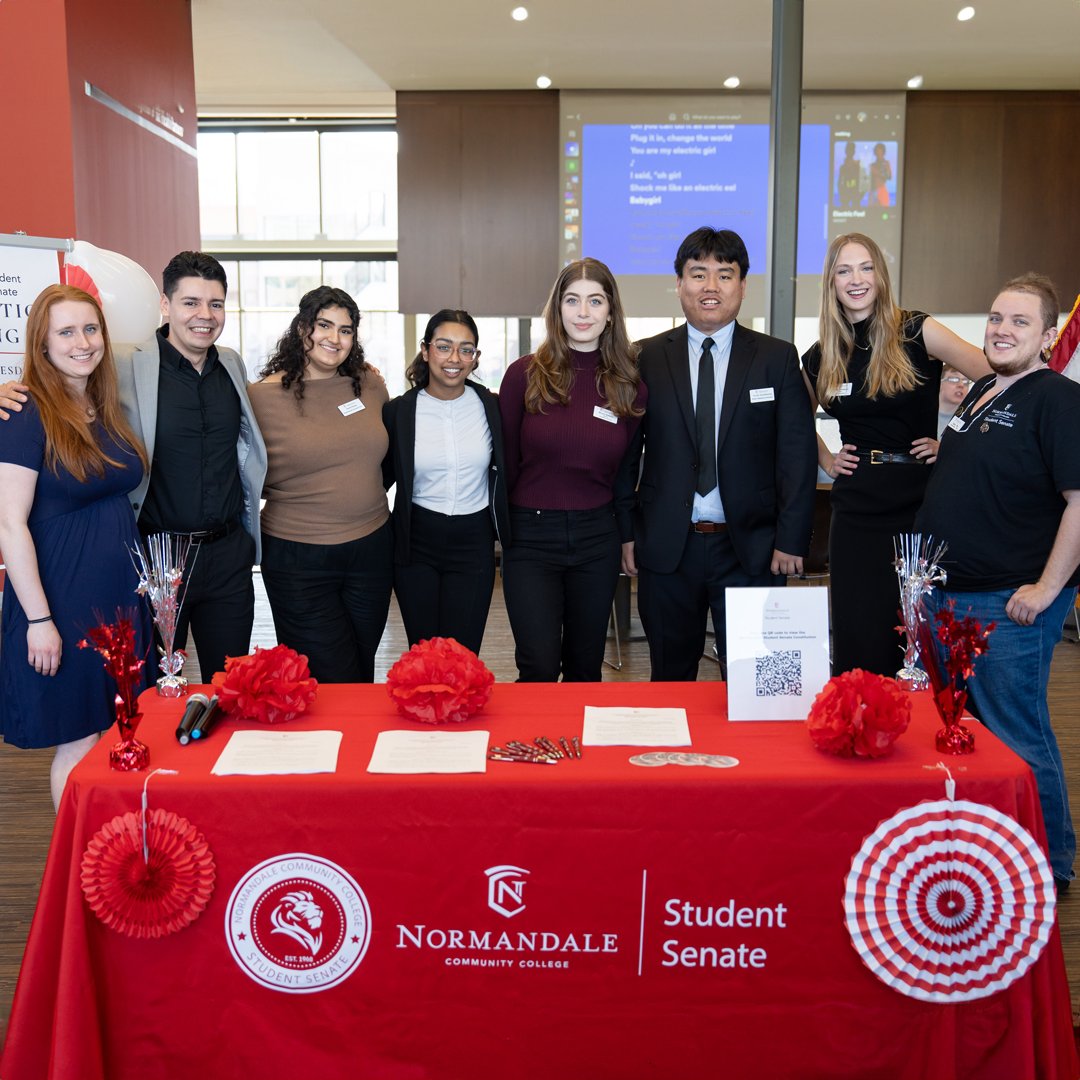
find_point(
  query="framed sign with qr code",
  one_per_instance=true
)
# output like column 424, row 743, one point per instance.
column 777, row 651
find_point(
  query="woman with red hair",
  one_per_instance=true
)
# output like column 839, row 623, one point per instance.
column 67, row 462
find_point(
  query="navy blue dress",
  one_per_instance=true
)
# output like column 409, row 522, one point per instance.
column 82, row 533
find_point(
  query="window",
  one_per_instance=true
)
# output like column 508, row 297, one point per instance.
column 288, row 208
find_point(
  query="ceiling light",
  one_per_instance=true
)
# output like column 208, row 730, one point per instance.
column 519, row 14
column 543, row 81
column 731, row 82
column 915, row 82
column 965, row 13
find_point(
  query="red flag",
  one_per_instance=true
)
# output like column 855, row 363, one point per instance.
column 1066, row 349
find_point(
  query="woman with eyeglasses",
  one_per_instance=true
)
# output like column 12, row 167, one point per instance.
column 569, row 412
column 446, row 458
column 954, row 388
column 327, row 549
column 877, row 370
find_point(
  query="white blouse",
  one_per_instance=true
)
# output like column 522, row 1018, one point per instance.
column 452, row 454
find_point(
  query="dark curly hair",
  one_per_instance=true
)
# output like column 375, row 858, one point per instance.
column 290, row 354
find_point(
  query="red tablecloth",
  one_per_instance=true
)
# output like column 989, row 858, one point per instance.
column 530, row 922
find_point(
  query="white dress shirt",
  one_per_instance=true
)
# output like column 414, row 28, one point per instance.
column 710, row 507
column 452, row 454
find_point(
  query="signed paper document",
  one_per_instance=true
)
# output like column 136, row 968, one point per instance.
column 278, row 753
column 430, row 752
column 635, row 727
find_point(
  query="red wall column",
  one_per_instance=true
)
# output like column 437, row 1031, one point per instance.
column 114, row 166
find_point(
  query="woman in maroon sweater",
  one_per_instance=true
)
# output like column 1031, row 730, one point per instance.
column 569, row 413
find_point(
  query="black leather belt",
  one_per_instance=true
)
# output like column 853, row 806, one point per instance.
column 888, row 457
column 708, row 526
column 208, row 536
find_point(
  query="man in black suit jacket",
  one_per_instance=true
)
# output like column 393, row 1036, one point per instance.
column 752, row 525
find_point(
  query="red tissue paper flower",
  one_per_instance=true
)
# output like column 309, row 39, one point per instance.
column 270, row 686
column 859, row 714
column 439, row 681
column 153, row 896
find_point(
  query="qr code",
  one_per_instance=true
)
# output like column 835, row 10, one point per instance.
column 778, row 674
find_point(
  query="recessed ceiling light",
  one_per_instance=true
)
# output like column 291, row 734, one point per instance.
column 519, row 14
column 543, row 82
column 965, row 13
column 731, row 82
column 915, row 82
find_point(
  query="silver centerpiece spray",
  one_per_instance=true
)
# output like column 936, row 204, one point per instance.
column 918, row 569
column 161, row 578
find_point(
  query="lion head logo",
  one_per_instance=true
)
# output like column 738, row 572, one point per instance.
column 300, row 917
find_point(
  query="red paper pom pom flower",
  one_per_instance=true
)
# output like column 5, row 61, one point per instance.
column 152, row 896
column 858, row 714
column 270, row 686
column 439, row 681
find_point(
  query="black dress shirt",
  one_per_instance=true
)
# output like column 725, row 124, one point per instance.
column 195, row 475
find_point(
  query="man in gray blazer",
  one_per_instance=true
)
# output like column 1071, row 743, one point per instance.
column 726, row 493
column 187, row 400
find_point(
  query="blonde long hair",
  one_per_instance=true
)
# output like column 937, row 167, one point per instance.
column 69, row 436
column 890, row 370
column 550, row 376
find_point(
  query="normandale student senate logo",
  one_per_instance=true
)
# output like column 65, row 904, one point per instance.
column 298, row 923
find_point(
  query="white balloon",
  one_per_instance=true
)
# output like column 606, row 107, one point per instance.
column 129, row 296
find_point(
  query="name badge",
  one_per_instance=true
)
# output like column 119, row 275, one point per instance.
column 604, row 414
column 350, row 407
column 956, row 424
column 845, row 390
column 764, row 393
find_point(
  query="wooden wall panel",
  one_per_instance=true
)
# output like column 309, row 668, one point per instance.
column 510, row 238
column 477, row 200
column 990, row 192
column 1040, row 190
column 430, row 261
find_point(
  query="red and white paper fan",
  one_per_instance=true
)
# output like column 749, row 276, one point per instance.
column 148, row 874
column 949, row 901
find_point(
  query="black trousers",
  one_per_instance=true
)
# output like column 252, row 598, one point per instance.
column 865, row 595
column 330, row 601
column 445, row 588
column 219, row 601
column 675, row 607
column 559, row 579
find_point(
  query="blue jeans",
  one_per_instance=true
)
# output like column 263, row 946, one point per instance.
column 1008, row 694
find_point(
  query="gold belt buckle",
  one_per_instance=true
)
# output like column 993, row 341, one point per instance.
column 877, row 457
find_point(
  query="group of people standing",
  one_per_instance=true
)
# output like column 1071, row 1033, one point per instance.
column 687, row 460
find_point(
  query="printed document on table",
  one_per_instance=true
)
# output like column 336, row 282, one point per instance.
column 278, row 753
column 634, row 727
column 430, row 752
column 777, row 652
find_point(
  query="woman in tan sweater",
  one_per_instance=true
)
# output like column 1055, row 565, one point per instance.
column 327, row 557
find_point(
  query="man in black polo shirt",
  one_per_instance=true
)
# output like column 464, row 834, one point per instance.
column 1005, row 496
column 188, row 402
